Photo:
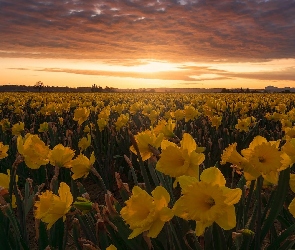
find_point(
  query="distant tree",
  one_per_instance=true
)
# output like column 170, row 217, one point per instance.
column 39, row 85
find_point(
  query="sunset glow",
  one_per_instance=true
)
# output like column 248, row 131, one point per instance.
column 135, row 44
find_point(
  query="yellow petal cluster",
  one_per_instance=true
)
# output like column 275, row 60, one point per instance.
column 144, row 139
column 34, row 150
column 207, row 201
column 84, row 143
column 18, row 128
column 81, row 115
column 149, row 215
column 61, row 156
column 165, row 128
column 121, row 121
column 262, row 157
column 184, row 160
column 51, row 207
column 81, row 166
column 43, row 127
column 3, row 150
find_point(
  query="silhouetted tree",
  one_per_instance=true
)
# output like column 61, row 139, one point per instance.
column 39, row 85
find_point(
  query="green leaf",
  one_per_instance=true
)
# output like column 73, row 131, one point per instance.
column 43, row 237
column 281, row 238
column 278, row 202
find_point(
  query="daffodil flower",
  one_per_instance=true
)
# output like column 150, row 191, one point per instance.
column 184, row 160
column 81, row 166
column 3, row 150
column 144, row 139
column 84, row 142
column 81, row 115
column 166, row 128
column 121, row 121
column 51, row 207
column 43, row 127
column 61, row 156
column 260, row 158
column 149, row 215
column 18, row 128
column 34, row 150
column 207, row 201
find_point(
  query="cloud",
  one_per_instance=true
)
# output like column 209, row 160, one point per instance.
column 183, row 73
column 187, row 73
column 175, row 30
column 285, row 74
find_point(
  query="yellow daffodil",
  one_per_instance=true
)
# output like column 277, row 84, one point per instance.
column 231, row 155
column 51, row 207
column 81, row 115
column 179, row 114
column 207, row 201
column 43, row 127
column 121, row 121
column 81, row 166
column 165, row 128
column 216, row 121
column 105, row 113
column 149, row 215
column 177, row 161
column 18, row 128
column 190, row 113
column 3, row 150
column 243, row 124
column 261, row 158
column 153, row 116
column 34, row 150
column 265, row 158
column 84, row 142
column 289, row 149
column 289, row 133
column 286, row 124
column 102, row 123
column 144, row 139
column 61, row 156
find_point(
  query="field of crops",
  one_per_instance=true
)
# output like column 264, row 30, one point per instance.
column 147, row 171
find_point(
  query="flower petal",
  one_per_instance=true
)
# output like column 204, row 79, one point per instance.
column 214, row 176
column 155, row 229
column 292, row 182
column 188, row 143
column 201, row 226
column 160, row 193
column 232, row 195
column 228, row 219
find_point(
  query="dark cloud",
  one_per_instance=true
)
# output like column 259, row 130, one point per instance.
column 175, row 30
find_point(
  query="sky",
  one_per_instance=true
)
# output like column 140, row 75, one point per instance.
column 148, row 43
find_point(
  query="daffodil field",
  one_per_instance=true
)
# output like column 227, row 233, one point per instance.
column 170, row 171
